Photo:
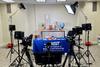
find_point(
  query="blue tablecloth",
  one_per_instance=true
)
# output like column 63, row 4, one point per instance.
column 58, row 45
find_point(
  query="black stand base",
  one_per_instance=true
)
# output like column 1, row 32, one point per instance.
column 88, row 54
column 12, row 50
column 80, row 56
column 20, row 58
column 69, row 55
column 25, row 51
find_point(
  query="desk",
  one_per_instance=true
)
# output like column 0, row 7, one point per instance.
column 57, row 45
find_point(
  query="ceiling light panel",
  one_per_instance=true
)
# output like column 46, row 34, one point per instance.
column 9, row 1
column 61, row 0
column 40, row 0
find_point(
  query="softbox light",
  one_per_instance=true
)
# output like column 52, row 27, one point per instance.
column 71, row 9
column 21, row 6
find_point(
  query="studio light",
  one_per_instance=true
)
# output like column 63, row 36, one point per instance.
column 21, row 6
column 9, row 1
column 71, row 8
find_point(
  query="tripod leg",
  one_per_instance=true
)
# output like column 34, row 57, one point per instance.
column 75, row 59
column 21, row 57
column 52, row 65
column 65, row 60
column 91, row 55
column 8, row 53
column 41, row 65
column 45, row 65
column 83, row 58
column 29, row 58
column 85, row 53
column 10, row 57
column 14, row 61
column 15, row 50
column 88, row 58
column 69, row 61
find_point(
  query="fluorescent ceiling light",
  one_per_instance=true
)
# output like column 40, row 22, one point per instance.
column 40, row 0
column 9, row 1
column 69, row 9
column 60, row 0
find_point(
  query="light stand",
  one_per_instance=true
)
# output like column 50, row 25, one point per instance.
column 87, row 52
column 18, row 35
column 87, row 27
column 79, row 55
column 12, row 28
column 12, row 50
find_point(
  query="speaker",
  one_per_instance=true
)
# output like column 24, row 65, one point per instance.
column 19, row 35
column 12, row 27
column 21, row 6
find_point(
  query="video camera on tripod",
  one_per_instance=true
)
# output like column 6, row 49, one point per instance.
column 26, row 41
column 75, row 31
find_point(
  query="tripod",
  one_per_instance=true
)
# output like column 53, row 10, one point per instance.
column 12, row 50
column 70, row 54
column 79, row 54
column 87, row 52
column 18, row 57
column 25, row 51
column 48, row 45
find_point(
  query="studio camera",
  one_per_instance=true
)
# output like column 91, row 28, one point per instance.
column 27, row 41
column 77, row 30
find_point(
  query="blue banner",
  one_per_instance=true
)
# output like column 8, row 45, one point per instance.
column 58, row 45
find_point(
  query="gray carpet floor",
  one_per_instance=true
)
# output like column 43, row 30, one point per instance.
column 5, row 62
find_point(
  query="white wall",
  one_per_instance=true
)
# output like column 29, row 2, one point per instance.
column 93, row 18
column 56, row 13
column 0, row 29
column 35, row 15
column 29, row 20
column 19, row 18
column 5, row 33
